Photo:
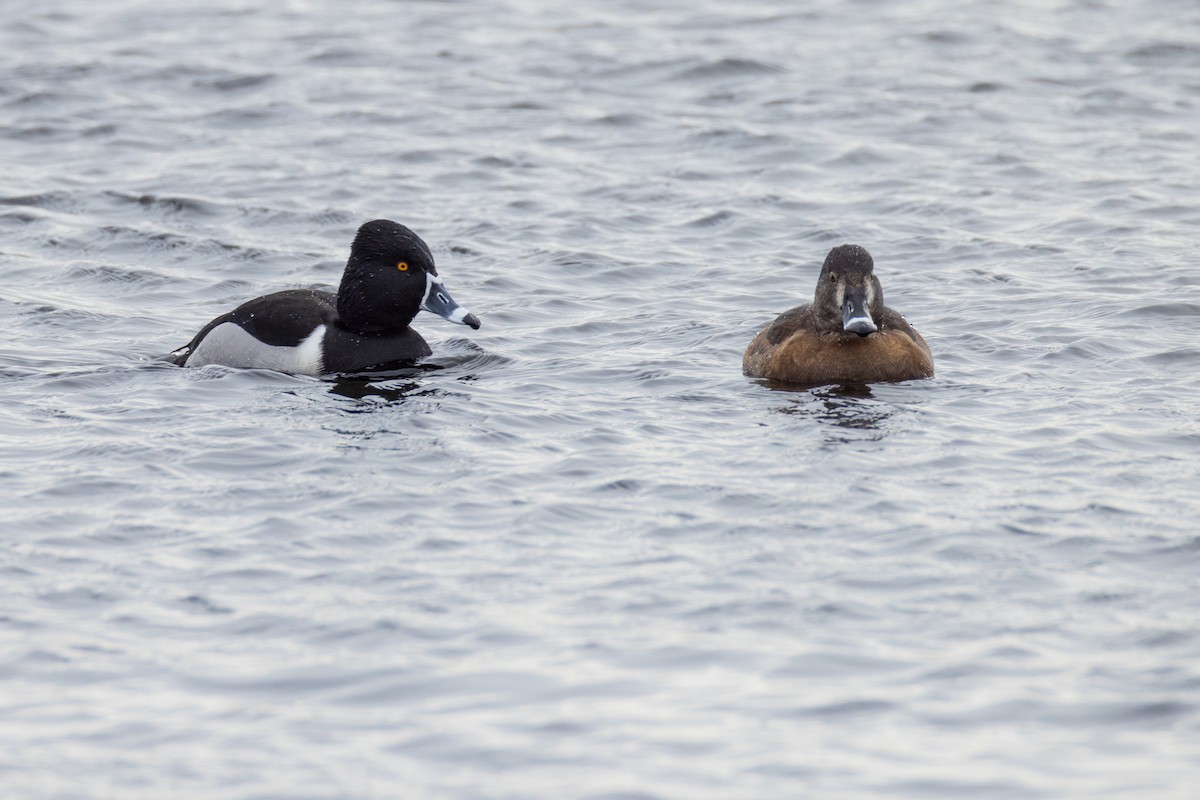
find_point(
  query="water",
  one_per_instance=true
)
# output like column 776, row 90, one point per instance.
column 586, row 558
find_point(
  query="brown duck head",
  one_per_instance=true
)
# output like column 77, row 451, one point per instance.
column 848, row 296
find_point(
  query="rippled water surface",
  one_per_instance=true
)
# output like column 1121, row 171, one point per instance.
column 583, row 556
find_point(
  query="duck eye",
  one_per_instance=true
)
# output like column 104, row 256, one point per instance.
column 832, row 278
column 402, row 266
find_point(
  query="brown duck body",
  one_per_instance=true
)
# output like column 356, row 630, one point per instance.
column 792, row 350
column 846, row 335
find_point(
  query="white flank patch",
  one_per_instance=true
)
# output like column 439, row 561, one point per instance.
column 309, row 353
column 229, row 345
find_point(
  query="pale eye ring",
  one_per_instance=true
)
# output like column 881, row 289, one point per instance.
column 832, row 278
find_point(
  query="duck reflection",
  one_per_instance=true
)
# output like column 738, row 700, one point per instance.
column 385, row 387
column 404, row 381
column 848, row 406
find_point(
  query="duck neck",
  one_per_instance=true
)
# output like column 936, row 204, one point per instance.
column 368, row 303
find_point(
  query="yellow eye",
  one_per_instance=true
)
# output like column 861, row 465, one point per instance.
column 402, row 266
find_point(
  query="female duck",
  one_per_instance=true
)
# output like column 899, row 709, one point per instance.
column 390, row 276
column 846, row 335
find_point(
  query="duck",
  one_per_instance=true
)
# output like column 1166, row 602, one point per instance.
column 389, row 277
column 846, row 335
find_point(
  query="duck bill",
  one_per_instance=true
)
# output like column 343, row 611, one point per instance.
column 438, row 301
column 856, row 317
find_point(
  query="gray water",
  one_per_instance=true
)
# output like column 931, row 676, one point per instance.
column 583, row 556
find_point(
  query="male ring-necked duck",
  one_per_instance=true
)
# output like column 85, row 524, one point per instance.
column 846, row 335
column 389, row 277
